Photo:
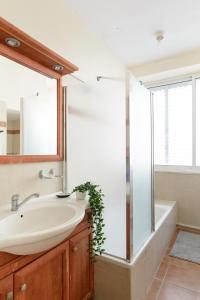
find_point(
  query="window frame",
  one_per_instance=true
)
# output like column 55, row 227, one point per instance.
column 193, row 169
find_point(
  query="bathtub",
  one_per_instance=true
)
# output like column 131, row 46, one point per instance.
column 162, row 210
column 165, row 219
column 147, row 261
column 117, row 279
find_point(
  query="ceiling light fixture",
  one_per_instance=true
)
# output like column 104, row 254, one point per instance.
column 12, row 42
column 58, row 67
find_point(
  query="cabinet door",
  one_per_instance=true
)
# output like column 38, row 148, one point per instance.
column 81, row 267
column 6, row 288
column 47, row 278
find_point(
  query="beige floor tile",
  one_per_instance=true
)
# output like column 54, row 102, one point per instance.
column 184, row 277
column 173, row 292
column 154, row 290
column 176, row 279
column 182, row 263
column 162, row 270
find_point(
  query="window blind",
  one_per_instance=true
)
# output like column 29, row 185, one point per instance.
column 173, row 124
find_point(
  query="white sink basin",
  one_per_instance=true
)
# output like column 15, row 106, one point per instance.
column 38, row 225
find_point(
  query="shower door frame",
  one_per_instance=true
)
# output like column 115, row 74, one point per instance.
column 129, row 174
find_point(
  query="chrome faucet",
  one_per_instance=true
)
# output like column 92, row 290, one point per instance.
column 15, row 205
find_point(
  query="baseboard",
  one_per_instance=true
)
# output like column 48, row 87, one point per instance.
column 189, row 228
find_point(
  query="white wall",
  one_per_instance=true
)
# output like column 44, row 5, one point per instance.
column 3, row 110
column 185, row 190
column 3, row 135
column 18, row 81
column 39, row 123
column 187, row 61
column 96, row 137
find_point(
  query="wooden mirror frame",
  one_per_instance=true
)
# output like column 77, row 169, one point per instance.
column 41, row 59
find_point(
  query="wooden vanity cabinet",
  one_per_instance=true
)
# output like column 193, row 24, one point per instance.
column 81, row 267
column 63, row 273
column 6, row 288
column 46, row 278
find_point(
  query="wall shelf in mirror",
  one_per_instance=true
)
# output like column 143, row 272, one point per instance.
column 31, row 98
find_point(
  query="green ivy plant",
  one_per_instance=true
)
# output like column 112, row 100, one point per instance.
column 96, row 219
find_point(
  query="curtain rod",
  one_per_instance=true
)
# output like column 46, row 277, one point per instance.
column 173, row 82
column 170, row 80
column 75, row 77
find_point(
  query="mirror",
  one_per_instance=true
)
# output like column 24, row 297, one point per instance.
column 31, row 98
column 28, row 111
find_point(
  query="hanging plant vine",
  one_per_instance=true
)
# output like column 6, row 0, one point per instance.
column 96, row 219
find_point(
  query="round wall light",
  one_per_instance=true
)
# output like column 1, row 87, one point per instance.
column 12, row 42
column 58, row 67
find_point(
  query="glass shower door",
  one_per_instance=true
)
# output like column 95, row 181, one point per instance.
column 141, row 164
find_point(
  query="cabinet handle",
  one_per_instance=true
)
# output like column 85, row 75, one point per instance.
column 75, row 249
column 9, row 295
column 23, row 287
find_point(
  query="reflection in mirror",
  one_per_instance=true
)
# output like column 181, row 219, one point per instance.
column 28, row 111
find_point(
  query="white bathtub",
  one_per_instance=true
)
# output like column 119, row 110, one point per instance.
column 131, row 281
column 165, row 218
column 147, row 262
column 162, row 210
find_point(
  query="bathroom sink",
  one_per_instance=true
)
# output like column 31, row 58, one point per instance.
column 38, row 225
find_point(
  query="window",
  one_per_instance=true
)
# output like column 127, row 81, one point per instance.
column 177, row 124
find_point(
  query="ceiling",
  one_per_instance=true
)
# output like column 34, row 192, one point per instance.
column 128, row 27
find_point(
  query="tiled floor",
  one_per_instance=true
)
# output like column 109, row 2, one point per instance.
column 176, row 279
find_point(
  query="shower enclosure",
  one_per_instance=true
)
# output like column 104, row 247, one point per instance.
column 127, row 183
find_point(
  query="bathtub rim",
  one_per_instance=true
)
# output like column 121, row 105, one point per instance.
column 164, row 203
column 169, row 206
column 123, row 262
